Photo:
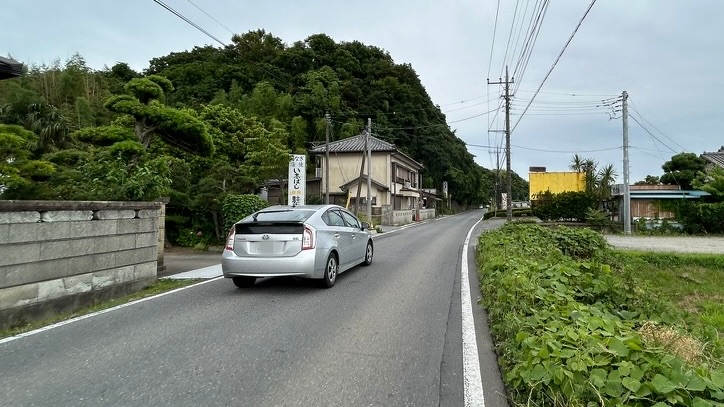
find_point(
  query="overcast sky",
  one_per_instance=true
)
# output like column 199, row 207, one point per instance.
column 666, row 53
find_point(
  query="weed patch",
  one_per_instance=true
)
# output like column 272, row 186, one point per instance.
column 575, row 325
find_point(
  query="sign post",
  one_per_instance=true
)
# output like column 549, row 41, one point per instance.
column 297, row 184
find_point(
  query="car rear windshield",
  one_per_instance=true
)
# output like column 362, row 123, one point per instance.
column 290, row 215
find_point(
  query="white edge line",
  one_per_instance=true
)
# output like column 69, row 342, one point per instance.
column 472, row 379
column 117, row 307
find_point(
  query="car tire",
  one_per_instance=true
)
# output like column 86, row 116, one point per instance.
column 369, row 252
column 243, row 282
column 331, row 269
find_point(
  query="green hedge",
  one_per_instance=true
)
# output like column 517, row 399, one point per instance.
column 237, row 207
column 570, row 328
column 517, row 212
column 571, row 206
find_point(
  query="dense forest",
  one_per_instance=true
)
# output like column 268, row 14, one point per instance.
column 200, row 124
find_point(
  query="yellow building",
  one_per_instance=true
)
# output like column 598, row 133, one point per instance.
column 556, row 182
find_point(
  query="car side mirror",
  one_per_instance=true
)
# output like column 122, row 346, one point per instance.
column 365, row 225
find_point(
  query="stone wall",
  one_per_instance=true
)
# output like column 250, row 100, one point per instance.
column 59, row 256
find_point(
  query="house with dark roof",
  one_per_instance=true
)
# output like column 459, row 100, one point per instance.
column 10, row 68
column 395, row 177
column 716, row 158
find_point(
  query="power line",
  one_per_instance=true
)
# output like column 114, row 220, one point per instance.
column 549, row 151
column 495, row 30
column 181, row 16
column 187, row 20
column 211, row 17
column 655, row 128
column 652, row 134
column 555, row 62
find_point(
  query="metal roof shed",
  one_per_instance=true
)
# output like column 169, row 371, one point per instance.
column 10, row 68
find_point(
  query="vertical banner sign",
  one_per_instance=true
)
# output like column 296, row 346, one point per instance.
column 297, row 180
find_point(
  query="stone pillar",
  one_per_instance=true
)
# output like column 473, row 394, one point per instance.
column 160, row 267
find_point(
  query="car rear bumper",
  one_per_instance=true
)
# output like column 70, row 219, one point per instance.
column 300, row 265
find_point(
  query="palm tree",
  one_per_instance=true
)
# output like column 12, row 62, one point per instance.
column 606, row 178
column 589, row 167
column 576, row 163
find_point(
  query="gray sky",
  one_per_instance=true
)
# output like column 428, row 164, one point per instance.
column 666, row 53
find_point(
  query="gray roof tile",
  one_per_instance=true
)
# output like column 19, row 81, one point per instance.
column 355, row 144
column 715, row 158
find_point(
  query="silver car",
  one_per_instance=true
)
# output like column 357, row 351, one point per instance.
column 313, row 241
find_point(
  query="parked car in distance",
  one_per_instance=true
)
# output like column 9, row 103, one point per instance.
column 311, row 241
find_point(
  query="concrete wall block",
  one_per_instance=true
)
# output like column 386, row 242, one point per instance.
column 104, row 278
column 107, row 214
column 18, row 296
column 148, row 213
column 53, row 231
column 23, row 232
column 126, row 273
column 19, row 253
column 146, row 239
column 4, row 233
column 145, row 271
column 109, row 244
column 57, row 250
column 78, row 284
column 66, row 216
column 85, row 246
column 128, row 226
column 93, row 228
column 19, row 217
column 104, row 261
column 27, row 273
column 135, row 256
column 48, row 290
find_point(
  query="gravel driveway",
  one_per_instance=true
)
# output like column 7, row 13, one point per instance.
column 684, row 244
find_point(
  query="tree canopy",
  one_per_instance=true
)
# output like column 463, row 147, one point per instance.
column 200, row 124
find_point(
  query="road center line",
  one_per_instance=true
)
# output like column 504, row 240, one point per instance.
column 472, row 379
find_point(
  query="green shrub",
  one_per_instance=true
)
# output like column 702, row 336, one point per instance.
column 237, row 207
column 568, row 324
column 571, row 206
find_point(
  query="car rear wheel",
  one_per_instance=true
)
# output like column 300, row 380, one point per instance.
column 369, row 251
column 243, row 282
column 330, row 272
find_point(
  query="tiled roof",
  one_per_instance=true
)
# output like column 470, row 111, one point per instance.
column 715, row 158
column 355, row 144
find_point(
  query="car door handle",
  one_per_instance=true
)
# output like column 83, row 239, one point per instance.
column 354, row 236
column 336, row 235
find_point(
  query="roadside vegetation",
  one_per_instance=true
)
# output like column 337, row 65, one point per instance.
column 577, row 323
column 160, row 286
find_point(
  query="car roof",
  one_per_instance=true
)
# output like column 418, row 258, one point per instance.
column 300, row 207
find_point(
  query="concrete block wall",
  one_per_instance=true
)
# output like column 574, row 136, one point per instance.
column 58, row 256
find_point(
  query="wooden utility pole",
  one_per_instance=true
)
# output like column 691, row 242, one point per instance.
column 509, row 190
column 326, row 160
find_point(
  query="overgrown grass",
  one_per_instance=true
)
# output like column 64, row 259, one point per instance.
column 577, row 324
column 160, row 286
column 692, row 283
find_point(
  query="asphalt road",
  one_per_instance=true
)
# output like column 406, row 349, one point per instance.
column 385, row 335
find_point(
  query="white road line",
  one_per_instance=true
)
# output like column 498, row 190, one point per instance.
column 76, row 319
column 472, row 379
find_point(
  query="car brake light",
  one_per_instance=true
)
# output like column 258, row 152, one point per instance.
column 230, row 238
column 307, row 239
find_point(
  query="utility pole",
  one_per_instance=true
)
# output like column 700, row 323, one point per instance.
column 509, row 191
column 626, row 188
column 326, row 160
column 359, row 180
column 368, row 147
